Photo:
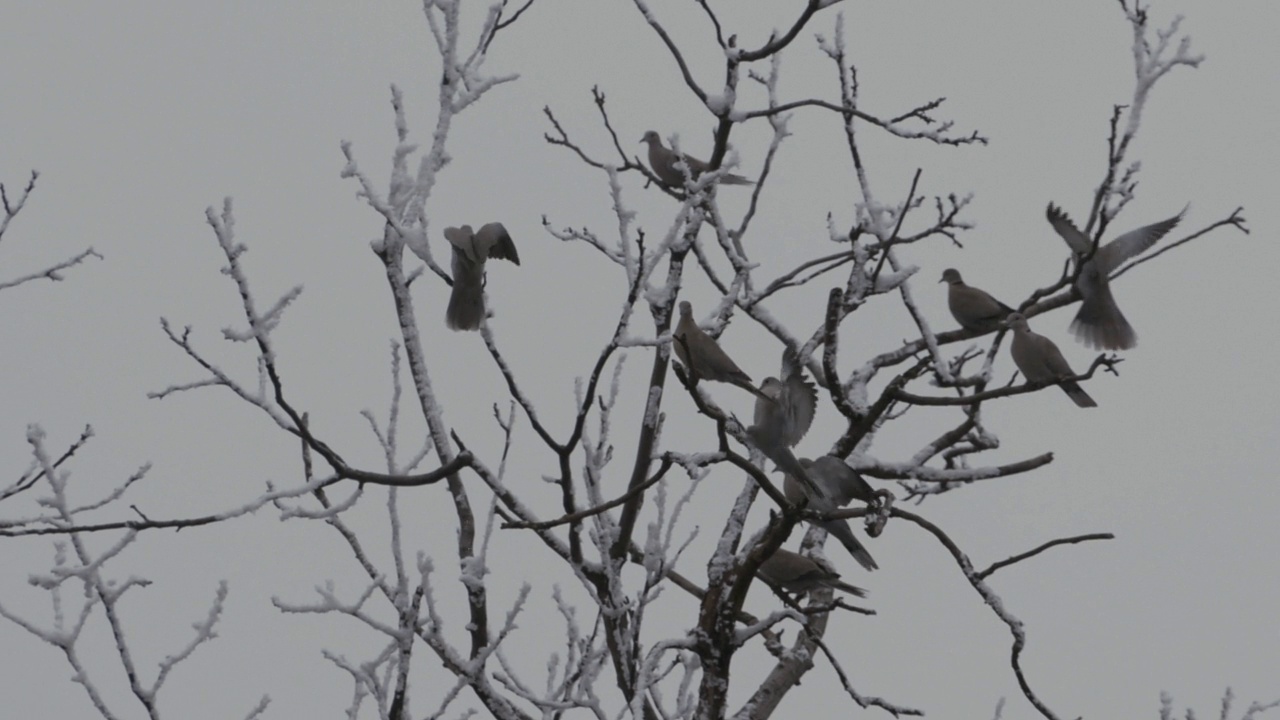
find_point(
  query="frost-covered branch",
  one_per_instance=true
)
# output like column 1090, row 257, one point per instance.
column 53, row 272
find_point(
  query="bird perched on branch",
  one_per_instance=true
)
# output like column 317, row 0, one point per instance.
column 972, row 307
column 703, row 358
column 838, row 484
column 470, row 251
column 1099, row 323
column 841, row 483
column 1041, row 361
column 797, row 573
column 664, row 163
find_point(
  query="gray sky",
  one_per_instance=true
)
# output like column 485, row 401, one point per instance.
column 139, row 116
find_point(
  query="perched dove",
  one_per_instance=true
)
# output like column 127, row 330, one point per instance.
column 663, row 161
column 796, row 573
column 1041, row 361
column 703, row 358
column 973, row 308
column 841, row 483
column 837, row 485
column 470, row 251
column 1099, row 323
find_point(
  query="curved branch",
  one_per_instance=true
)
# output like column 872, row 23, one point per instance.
column 675, row 51
column 775, row 43
column 1236, row 220
column 1032, row 553
column 992, row 600
column 589, row 512
column 928, row 474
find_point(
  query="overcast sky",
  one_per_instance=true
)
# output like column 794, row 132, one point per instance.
column 139, row 115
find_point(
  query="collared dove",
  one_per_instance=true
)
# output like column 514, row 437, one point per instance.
column 973, row 308
column 1041, row 361
column 470, row 251
column 837, row 485
column 1099, row 323
column 797, row 573
column 840, row 482
column 788, row 410
column 783, row 413
column 663, row 161
column 703, row 358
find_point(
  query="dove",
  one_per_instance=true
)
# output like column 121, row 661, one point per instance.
column 470, row 251
column 703, row 358
column 663, row 161
column 1099, row 324
column 973, row 308
column 788, row 411
column 836, row 484
column 841, row 483
column 1041, row 361
column 783, row 413
column 796, row 573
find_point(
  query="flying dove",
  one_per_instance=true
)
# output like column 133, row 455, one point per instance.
column 788, row 410
column 837, row 485
column 783, row 413
column 470, row 251
column 1041, row 361
column 973, row 308
column 1099, row 323
column 664, row 160
column 703, row 357
column 797, row 573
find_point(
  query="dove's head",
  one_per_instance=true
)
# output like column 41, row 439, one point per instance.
column 459, row 237
column 651, row 137
column 951, row 276
column 772, row 387
column 1016, row 321
column 686, row 309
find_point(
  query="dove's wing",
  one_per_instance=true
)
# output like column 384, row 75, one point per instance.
column 493, row 241
column 1079, row 243
column 1134, row 242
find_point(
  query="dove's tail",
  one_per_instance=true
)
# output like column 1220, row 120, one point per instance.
column 466, row 306
column 1100, row 325
column 1077, row 394
column 846, row 587
column 841, row 530
column 731, row 179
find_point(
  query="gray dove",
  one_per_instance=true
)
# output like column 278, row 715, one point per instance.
column 470, row 251
column 838, row 484
column 1041, row 361
column 973, row 308
column 1099, row 323
column 703, row 357
column 797, row 573
column 663, row 161
column 790, row 413
column 783, row 413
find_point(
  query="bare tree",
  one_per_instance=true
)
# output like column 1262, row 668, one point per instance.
column 619, row 533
